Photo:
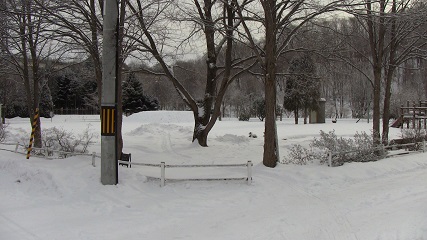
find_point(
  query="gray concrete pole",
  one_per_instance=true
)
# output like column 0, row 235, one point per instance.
column 108, row 99
column 1, row 114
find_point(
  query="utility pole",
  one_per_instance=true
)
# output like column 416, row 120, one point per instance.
column 109, row 95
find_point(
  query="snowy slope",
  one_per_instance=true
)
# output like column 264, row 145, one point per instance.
column 63, row 198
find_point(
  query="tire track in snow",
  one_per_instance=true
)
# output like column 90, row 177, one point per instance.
column 10, row 228
column 166, row 146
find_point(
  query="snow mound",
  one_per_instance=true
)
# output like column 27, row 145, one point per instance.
column 161, row 117
column 29, row 179
column 232, row 138
column 155, row 129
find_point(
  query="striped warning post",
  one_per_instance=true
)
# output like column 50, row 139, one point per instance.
column 30, row 146
column 108, row 122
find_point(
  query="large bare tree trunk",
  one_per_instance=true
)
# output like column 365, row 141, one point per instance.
column 376, row 31
column 390, row 68
column 376, row 108
column 296, row 116
column 270, row 158
column 29, row 31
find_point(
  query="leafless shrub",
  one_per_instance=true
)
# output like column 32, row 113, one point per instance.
column 3, row 132
column 299, row 155
column 360, row 148
column 63, row 140
column 414, row 136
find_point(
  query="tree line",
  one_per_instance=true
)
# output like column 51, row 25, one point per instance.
column 361, row 56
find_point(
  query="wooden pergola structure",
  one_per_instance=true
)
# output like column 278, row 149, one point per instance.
column 414, row 116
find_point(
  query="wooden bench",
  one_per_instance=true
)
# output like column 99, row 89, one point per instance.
column 126, row 157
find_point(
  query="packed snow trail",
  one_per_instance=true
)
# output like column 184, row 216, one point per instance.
column 283, row 203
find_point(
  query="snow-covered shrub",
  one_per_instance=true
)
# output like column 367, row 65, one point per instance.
column 330, row 142
column 299, row 155
column 365, row 149
column 414, row 136
column 358, row 149
column 3, row 132
column 63, row 140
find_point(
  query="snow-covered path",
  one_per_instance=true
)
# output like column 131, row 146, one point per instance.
column 64, row 200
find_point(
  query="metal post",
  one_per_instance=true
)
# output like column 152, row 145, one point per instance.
column 109, row 158
column 93, row 159
column 330, row 158
column 162, row 174
column 249, row 165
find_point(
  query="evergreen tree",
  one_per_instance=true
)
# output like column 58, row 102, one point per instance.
column 302, row 86
column 151, row 103
column 70, row 91
column 46, row 103
column 133, row 97
column 259, row 108
column 63, row 92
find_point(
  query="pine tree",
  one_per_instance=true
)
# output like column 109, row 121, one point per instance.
column 133, row 97
column 46, row 103
column 302, row 86
column 259, row 108
column 63, row 92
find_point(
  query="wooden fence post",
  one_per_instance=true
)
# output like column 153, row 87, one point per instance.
column 93, row 159
column 249, row 164
column 424, row 145
column 413, row 115
column 407, row 105
column 162, row 174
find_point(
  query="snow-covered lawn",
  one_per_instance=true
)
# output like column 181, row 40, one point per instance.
column 64, row 199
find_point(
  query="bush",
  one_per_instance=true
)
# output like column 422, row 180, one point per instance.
column 245, row 115
column 3, row 132
column 361, row 149
column 414, row 136
column 62, row 140
column 299, row 155
column 259, row 108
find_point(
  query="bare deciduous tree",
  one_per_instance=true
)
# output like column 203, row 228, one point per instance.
column 281, row 21
column 27, row 48
column 216, row 21
column 391, row 30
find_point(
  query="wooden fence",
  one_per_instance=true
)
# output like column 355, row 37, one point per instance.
column 163, row 167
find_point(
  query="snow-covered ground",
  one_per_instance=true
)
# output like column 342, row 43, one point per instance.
column 64, row 199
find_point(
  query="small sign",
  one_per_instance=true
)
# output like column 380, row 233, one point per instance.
column 108, row 121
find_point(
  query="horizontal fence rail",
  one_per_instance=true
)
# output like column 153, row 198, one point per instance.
column 47, row 152
column 163, row 167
